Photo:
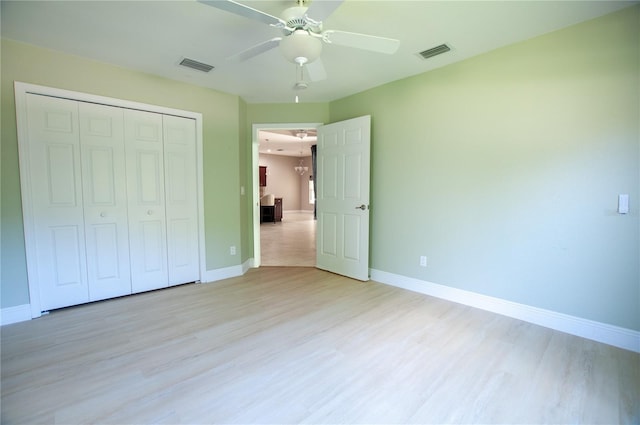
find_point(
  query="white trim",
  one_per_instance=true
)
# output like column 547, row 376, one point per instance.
column 23, row 88
column 247, row 265
column 202, row 258
column 18, row 313
column 627, row 339
column 255, row 157
column 223, row 273
column 21, row 91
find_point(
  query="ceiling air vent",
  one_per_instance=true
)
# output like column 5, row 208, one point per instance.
column 434, row 51
column 190, row 63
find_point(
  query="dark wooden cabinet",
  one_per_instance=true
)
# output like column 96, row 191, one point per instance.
column 278, row 210
column 271, row 213
column 263, row 176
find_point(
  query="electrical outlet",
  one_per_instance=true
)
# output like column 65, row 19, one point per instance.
column 232, row 250
column 423, row 261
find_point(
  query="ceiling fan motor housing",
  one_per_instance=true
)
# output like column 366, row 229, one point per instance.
column 295, row 17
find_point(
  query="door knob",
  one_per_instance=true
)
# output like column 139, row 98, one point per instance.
column 362, row 207
column 103, row 214
column 150, row 212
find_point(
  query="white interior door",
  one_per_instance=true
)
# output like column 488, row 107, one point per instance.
column 105, row 200
column 343, row 167
column 181, row 199
column 146, row 208
column 56, row 213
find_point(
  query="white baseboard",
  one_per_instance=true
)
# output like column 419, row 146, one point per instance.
column 247, row 265
column 227, row 272
column 608, row 334
column 18, row 313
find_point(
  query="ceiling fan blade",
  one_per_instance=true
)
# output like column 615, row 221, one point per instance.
column 316, row 70
column 242, row 10
column 322, row 9
column 255, row 50
column 361, row 41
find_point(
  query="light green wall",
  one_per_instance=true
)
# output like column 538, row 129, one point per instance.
column 269, row 113
column 222, row 129
column 504, row 170
column 246, row 220
column 266, row 113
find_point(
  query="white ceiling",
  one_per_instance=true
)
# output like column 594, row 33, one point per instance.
column 153, row 36
column 287, row 142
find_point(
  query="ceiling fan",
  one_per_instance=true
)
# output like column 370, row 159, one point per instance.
column 303, row 35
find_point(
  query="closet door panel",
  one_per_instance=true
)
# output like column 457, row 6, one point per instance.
column 105, row 200
column 146, row 207
column 181, row 199
column 56, row 201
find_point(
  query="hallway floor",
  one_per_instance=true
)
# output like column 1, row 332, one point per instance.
column 291, row 242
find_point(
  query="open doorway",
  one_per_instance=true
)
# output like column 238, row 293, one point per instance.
column 291, row 242
column 284, row 225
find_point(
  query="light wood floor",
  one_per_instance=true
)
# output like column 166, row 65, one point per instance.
column 291, row 345
column 291, row 242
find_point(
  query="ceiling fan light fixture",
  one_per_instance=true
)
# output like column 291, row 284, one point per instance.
column 300, row 47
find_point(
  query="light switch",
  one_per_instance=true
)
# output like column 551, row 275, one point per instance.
column 623, row 203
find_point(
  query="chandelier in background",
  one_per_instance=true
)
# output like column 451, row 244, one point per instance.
column 300, row 168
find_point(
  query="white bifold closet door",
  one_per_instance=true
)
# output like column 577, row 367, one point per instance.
column 114, row 200
column 56, row 201
column 145, row 186
column 105, row 200
column 181, row 198
column 161, row 182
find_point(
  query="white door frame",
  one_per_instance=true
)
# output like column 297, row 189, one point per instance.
column 21, row 92
column 255, row 178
